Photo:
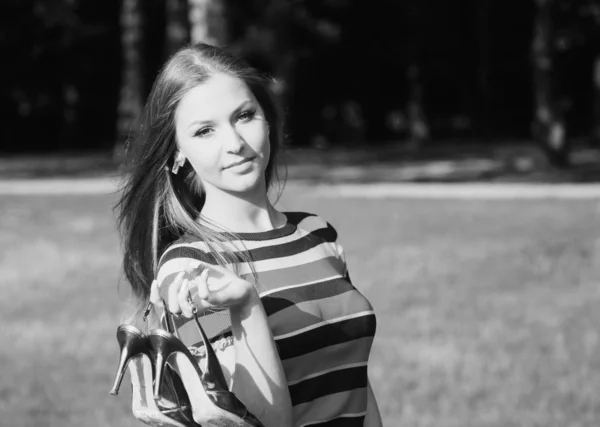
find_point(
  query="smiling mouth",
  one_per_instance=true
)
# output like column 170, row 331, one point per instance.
column 241, row 162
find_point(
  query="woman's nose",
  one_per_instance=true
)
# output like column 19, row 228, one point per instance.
column 235, row 143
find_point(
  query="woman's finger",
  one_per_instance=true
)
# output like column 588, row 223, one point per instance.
column 154, row 295
column 202, row 285
column 182, row 299
column 172, row 301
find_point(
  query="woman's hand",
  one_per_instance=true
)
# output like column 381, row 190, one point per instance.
column 206, row 286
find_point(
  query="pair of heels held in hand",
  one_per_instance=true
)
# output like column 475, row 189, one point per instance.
column 169, row 387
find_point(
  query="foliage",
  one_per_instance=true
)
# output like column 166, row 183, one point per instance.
column 54, row 63
column 579, row 23
column 341, row 67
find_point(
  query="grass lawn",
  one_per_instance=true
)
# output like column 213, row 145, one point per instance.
column 487, row 311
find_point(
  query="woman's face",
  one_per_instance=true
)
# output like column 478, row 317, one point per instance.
column 222, row 131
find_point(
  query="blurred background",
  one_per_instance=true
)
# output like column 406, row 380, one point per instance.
column 487, row 304
column 410, row 76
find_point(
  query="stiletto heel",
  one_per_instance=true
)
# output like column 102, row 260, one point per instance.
column 207, row 390
column 173, row 410
column 131, row 342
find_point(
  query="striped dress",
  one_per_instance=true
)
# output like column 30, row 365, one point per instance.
column 323, row 326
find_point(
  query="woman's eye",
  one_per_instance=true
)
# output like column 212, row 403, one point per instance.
column 246, row 116
column 203, row 132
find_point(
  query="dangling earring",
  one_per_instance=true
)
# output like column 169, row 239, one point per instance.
column 179, row 161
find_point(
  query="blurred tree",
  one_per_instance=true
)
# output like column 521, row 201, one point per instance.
column 285, row 39
column 483, row 66
column 578, row 44
column 418, row 127
column 549, row 125
column 279, row 17
column 40, row 88
column 596, row 109
column 177, row 25
column 132, row 75
column 208, row 21
column 64, row 12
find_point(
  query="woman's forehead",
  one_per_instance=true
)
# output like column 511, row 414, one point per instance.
column 220, row 94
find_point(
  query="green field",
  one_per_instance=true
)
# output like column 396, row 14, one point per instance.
column 488, row 312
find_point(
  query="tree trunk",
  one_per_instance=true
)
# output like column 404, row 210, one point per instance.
column 417, row 124
column 483, row 69
column 177, row 25
column 596, row 118
column 131, row 96
column 69, row 89
column 549, row 126
column 280, row 19
column 208, row 22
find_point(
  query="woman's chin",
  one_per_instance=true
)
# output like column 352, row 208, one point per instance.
column 245, row 184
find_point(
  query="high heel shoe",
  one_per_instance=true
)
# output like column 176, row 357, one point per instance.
column 173, row 410
column 208, row 391
column 132, row 342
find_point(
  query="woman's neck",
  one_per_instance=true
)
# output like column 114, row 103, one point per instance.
column 241, row 213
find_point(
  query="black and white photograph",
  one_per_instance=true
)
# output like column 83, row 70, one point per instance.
column 300, row 213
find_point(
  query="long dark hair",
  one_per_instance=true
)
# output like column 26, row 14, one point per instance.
column 157, row 207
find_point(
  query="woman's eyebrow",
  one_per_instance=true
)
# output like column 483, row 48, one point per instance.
column 199, row 122
column 240, row 107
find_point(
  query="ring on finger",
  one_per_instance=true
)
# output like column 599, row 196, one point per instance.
column 192, row 304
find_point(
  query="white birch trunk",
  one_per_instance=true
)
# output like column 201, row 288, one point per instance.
column 131, row 96
column 596, row 117
column 177, row 25
column 549, row 126
column 208, row 23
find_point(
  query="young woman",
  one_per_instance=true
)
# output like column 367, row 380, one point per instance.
column 292, row 333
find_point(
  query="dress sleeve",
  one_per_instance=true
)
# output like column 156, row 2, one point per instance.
column 341, row 254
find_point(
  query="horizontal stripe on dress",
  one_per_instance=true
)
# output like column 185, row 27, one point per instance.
column 327, row 358
column 307, row 315
column 304, row 273
column 318, row 252
column 329, row 407
column 347, row 420
column 327, row 334
column 329, row 383
column 283, row 250
column 280, row 300
column 309, row 225
column 321, row 253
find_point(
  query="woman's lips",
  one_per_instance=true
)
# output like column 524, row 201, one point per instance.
column 240, row 162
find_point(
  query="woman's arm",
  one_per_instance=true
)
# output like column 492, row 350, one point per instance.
column 255, row 368
column 258, row 367
column 373, row 417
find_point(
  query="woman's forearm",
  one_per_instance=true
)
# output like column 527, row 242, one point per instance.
column 258, row 379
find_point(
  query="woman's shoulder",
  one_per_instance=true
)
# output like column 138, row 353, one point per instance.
column 187, row 247
column 312, row 223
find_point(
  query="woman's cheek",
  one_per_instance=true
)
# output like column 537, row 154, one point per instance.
column 255, row 134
